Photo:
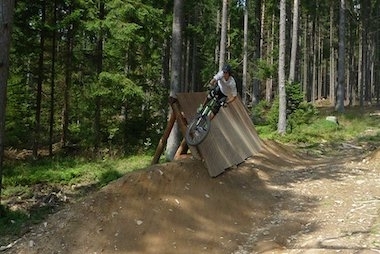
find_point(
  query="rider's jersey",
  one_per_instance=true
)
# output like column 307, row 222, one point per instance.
column 228, row 87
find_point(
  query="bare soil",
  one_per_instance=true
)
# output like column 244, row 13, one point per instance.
column 279, row 201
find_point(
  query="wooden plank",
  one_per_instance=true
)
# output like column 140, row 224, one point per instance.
column 164, row 139
column 232, row 137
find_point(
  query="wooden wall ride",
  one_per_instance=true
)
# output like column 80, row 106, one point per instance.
column 232, row 138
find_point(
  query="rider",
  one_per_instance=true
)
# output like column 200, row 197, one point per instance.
column 225, row 90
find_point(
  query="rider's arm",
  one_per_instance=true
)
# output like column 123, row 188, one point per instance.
column 212, row 82
column 231, row 99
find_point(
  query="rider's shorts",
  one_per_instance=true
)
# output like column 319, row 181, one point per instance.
column 221, row 97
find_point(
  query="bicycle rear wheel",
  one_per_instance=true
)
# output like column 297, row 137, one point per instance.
column 197, row 130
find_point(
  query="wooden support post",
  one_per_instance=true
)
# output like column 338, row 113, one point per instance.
column 182, row 149
column 181, row 121
column 164, row 139
column 176, row 115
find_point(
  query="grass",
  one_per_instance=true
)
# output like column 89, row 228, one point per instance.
column 21, row 178
column 353, row 124
column 67, row 171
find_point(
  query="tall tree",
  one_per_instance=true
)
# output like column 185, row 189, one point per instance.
column 175, row 83
column 293, row 56
column 223, row 34
column 67, row 63
column 99, row 69
column 260, row 9
column 245, row 53
column 341, row 60
column 52, row 81
column 40, row 80
column 6, row 20
column 281, row 70
column 332, row 55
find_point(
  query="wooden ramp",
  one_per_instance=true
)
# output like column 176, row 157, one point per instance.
column 232, row 138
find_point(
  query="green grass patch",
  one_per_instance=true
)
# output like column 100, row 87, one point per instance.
column 62, row 171
column 20, row 180
column 353, row 124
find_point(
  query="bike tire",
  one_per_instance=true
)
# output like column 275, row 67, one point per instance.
column 194, row 135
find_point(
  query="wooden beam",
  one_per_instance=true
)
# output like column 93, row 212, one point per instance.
column 161, row 145
column 182, row 149
column 181, row 121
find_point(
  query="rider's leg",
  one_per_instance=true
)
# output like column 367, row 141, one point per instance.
column 210, row 95
column 215, row 110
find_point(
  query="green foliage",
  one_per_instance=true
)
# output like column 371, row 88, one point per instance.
column 11, row 222
column 272, row 116
column 23, row 180
column 18, row 178
column 127, row 77
column 311, row 133
column 298, row 111
column 315, row 129
column 294, row 96
column 265, row 70
column 259, row 112
column 303, row 114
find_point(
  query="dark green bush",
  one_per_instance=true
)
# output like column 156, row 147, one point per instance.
column 259, row 112
column 298, row 112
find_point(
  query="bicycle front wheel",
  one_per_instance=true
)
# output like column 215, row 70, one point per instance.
column 197, row 130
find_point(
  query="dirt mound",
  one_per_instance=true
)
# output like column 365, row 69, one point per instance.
column 164, row 209
column 374, row 157
column 276, row 201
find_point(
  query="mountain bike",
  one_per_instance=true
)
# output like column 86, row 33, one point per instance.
column 200, row 125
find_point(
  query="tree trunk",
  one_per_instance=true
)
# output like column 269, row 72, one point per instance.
column 6, row 12
column 360, row 71
column 313, row 44
column 223, row 35
column 320, row 65
column 52, row 85
column 217, row 27
column 269, row 81
column 245, row 55
column 332, row 56
column 175, row 86
column 67, row 84
column 99, row 69
column 305, row 68
column 341, row 60
column 41, row 71
column 365, row 8
column 281, row 70
column 259, row 44
column 293, row 57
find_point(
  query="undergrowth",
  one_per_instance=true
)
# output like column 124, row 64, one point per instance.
column 353, row 125
column 27, row 186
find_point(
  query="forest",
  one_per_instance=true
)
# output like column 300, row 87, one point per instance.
column 97, row 74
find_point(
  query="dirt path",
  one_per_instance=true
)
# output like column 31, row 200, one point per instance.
column 276, row 202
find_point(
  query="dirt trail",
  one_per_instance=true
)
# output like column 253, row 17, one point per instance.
column 275, row 202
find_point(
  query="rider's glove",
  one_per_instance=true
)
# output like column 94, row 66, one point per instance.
column 212, row 93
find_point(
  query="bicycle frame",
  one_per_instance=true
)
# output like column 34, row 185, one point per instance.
column 199, row 127
column 207, row 108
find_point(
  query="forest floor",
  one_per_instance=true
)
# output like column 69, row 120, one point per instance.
column 279, row 201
